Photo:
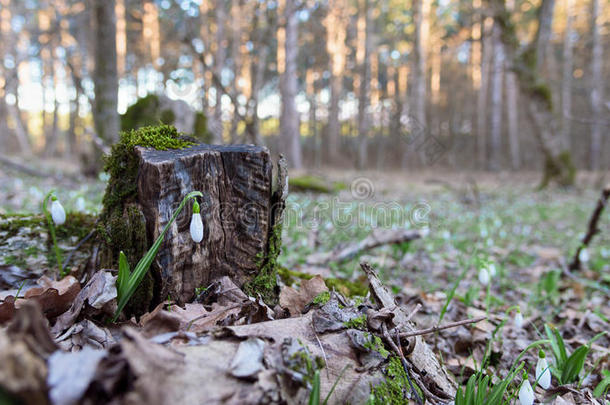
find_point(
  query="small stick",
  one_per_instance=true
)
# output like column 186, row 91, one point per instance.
column 321, row 348
column 439, row 328
column 412, row 314
column 593, row 229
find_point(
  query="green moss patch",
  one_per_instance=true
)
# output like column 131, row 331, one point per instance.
column 395, row 389
column 308, row 183
column 265, row 282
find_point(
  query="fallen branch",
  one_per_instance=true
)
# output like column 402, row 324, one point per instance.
column 593, row 228
column 443, row 327
column 378, row 237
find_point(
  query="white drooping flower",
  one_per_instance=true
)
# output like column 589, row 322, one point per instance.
column 196, row 224
column 543, row 373
column 57, row 212
column 526, row 393
column 491, row 269
column 80, row 204
column 583, row 256
column 518, row 320
column 484, row 276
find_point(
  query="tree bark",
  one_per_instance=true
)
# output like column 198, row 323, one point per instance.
column 558, row 164
column 289, row 118
column 497, row 73
column 420, row 9
column 566, row 83
column 335, row 23
column 512, row 117
column 482, row 94
column 105, row 77
column 596, row 86
column 365, row 46
column 236, row 210
column 219, row 62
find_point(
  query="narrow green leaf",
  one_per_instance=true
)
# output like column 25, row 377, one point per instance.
column 314, row 396
column 574, row 365
column 603, row 385
column 124, row 274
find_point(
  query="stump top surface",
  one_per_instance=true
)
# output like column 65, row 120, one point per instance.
column 156, row 156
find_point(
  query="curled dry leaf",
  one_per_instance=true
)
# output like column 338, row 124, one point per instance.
column 54, row 297
column 98, row 292
column 296, row 300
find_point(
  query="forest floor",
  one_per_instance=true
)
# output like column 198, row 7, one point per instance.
column 469, row 222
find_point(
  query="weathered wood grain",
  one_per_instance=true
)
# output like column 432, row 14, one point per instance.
column 236, row 181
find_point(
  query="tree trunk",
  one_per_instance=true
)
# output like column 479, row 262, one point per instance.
column 105, row 78
column 566, row 83
column 545, row 26
column 512, row 117
column 289, row 119
column 497, row 72
column 596, row 86
column 335, row 24
column 219, row 62
column 558, row 164
column 365, row 45
column 482, row 94
column 420, row 9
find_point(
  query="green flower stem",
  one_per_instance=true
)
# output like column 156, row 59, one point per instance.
column 128, row 282
column 47, row 214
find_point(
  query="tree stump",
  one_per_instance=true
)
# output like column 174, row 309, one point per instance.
column 151, row 170
column 236, row 211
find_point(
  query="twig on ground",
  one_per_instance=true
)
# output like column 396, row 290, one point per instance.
column 321, row 348
column 593, row 228
column 415, row 311
column 378, row 237
column 439, row 328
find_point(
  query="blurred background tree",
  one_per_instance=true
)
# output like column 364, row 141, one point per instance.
column 417, row 84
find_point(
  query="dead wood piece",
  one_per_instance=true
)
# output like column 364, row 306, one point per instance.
column 236, row 209
column 593, row 228
column 378, row 237
column 442, row 327
column 422, row 358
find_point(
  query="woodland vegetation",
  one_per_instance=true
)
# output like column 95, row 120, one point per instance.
column 304, row 202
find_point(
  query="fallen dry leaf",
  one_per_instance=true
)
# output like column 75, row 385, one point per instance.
column 295, row 300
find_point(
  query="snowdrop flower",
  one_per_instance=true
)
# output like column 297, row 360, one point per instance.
column 484, row 276
column 491, row 269
column 518, row 322
column 57, row 211
column 80, row 204
column 543, row 374
column 526, row 393
column 196, row 224
column 583, row 256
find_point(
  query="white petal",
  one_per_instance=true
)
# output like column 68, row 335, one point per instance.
column 526, row 393
column 57, row 213
column 484, row 276
column 80, row 204
column 492, row 270
column 543, row 374
column 518, row 320
column 583, row 256
column 196, row 228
